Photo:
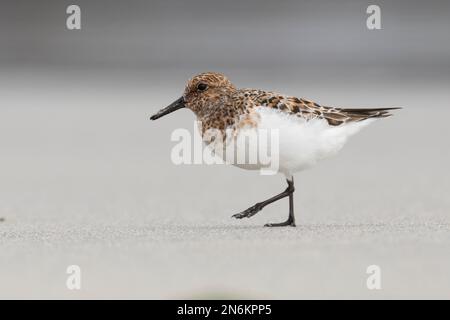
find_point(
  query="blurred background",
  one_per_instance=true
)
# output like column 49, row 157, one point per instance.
column 86, row 178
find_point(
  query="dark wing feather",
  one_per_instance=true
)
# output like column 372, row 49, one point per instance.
column 334, row 116
column 310, row 110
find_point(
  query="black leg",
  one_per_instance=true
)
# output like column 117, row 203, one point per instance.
column 291, row 219
column 250, row 212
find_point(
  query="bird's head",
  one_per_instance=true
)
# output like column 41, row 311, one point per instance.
column 202, row 94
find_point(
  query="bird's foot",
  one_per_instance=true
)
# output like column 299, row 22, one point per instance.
column 287, row 223
column 250, row 212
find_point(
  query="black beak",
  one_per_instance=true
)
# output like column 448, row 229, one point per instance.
column 174, row 106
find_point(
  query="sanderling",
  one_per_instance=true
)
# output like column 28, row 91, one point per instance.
column 308, row 132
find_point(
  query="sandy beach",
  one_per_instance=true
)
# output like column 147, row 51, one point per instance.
column 86, row 179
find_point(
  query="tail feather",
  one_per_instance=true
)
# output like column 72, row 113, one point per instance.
column 360, row 114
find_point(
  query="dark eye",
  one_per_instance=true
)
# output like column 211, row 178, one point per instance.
column 202, row 86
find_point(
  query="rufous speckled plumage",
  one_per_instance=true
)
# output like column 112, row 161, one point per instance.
column 308, row 132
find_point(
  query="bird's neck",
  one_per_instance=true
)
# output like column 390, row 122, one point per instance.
column 219, row 114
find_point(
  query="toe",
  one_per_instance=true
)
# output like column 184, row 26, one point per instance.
column 282, row 224
column 239, row 215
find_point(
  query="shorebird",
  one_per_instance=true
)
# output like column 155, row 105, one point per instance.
column 307, row 131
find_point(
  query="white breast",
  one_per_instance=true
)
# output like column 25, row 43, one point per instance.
column 290, row 142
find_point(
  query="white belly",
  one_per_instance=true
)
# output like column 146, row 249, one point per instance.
column 288, row 142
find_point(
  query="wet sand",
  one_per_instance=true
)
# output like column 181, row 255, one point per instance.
column 86, row 179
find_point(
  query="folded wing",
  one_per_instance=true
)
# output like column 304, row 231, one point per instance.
column 334, row 116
